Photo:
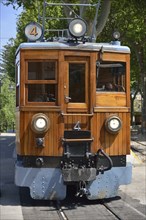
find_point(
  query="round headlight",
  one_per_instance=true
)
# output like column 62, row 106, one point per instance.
column 77, row 28
column 116, row 35
column 40, row 123
column 113, row 124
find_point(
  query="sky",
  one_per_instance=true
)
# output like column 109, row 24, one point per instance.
column 8, row 19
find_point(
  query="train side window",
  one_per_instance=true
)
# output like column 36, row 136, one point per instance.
column 17, row 80
column 41, row 83
column 111, row 76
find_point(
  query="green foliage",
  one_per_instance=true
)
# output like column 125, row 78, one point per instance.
column 20, row 3
column 128, row 18
column 8, row 58
column 7, row 101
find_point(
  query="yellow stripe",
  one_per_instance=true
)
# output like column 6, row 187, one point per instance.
column 136, row 157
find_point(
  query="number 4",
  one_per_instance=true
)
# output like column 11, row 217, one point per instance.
column 34, row 31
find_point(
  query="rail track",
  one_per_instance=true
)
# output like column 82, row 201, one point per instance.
column 139, row 149
column 74, row 208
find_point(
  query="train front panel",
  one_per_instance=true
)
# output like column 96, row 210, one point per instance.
column 73, row 119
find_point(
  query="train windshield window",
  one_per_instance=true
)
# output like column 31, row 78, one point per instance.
column 41, row 70
column 42, row 81
column 77, row 82
column 41, row 93
column 111, row 76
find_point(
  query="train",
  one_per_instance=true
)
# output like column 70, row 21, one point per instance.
column 72, row 115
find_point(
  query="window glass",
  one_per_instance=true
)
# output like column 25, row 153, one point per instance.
column 111, row 76
column 17, row 83
column 77, row 82
column 41, row 70
column 41, row 93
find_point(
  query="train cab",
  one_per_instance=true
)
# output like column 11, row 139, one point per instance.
column 73, row 118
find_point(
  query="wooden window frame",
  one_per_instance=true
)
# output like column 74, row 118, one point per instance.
column 41, row 82
column 81, row 106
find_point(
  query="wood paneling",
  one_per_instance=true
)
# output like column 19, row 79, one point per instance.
column 39, row 54
column 114, row 56
column 51, row 138
column 113, row 144
column 100, row 104
column 111, row 99
column 111, row 109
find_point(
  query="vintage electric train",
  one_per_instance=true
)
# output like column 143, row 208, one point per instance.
column 72, row 115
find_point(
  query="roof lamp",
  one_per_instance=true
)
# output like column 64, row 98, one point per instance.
column 77, row 28
column 116, row 35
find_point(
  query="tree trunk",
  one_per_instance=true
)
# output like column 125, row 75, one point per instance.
column 144, row 105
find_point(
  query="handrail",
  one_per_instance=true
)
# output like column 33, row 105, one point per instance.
column 77, row 139
column 78, row 114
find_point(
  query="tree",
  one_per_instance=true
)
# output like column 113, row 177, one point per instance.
column 33, row 11
column 7, row 102
column 90, row 14
column 8, row 60
column 128, row 18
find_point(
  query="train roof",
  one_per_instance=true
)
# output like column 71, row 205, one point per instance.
column 106, row 47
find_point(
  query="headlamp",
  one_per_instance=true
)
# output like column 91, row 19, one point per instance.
column 113, row 124
column 40, row 123
column 77, row 28
column 116, row 35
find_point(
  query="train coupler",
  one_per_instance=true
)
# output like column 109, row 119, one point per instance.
column 82, row 190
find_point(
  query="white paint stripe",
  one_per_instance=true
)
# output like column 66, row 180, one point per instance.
column 138, row 212
column 136, row 157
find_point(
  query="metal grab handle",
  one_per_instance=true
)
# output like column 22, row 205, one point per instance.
column 102, row 168
column 77, row 139
column 78, row 114
column 67, row 99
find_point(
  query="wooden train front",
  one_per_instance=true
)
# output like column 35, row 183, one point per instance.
column 71, row 128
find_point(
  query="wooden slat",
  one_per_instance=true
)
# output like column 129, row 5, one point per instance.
column 37, row 108
column 18, row 132
column 114, row 57
column 76, row 114
column 128, row 80
column 113, row 144
column 92, row 81
column 69, row 55
column 39, row 54
column 111, row 109
column 110, row 99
